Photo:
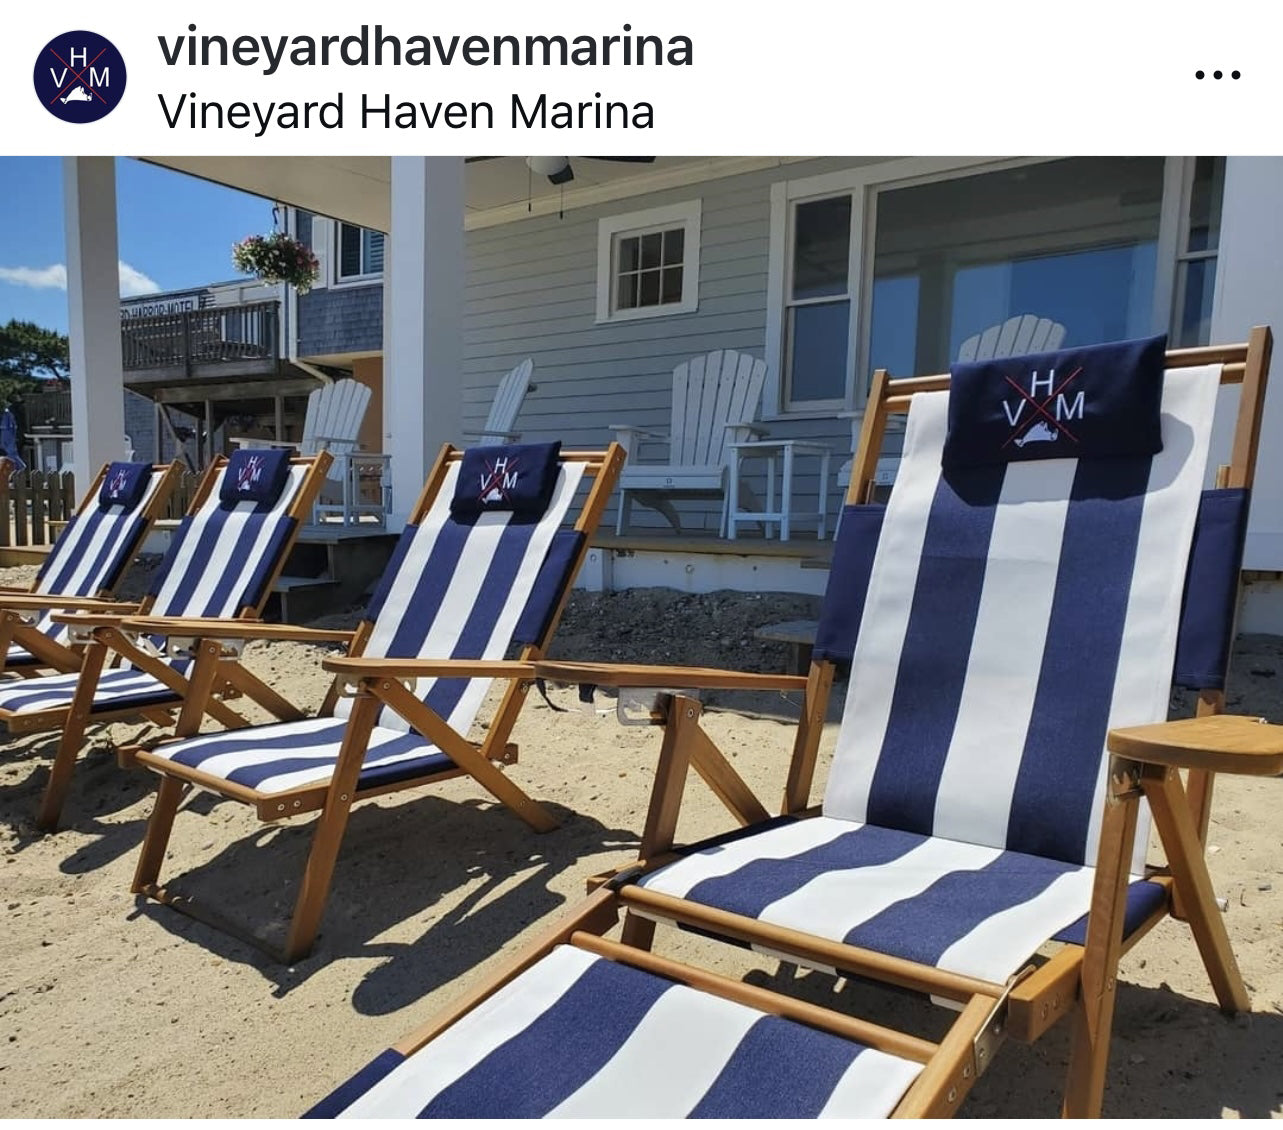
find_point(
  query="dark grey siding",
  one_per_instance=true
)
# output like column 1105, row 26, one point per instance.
column 340, row 319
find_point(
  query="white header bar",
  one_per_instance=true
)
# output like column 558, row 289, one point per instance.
column 1096, row 76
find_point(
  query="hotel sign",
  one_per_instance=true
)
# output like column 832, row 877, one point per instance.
column 157, row 305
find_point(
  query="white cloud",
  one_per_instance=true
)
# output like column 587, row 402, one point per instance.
column 38, row 278
column 132, row 280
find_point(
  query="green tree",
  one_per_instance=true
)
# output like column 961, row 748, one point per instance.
column 29, row 350
column 29, row 355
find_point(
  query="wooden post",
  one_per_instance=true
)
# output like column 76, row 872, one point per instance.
column 40, row 486
column 6, row 511
column 20, row 508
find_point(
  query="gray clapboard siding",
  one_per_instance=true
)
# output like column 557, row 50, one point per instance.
column 531, row 290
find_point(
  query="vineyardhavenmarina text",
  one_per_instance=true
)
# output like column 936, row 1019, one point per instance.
column 366, row 46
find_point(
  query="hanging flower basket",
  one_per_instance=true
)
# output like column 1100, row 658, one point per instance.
column 277, row 258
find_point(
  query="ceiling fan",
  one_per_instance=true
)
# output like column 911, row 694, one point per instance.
column 558, row 169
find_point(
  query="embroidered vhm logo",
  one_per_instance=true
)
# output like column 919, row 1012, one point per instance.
column 1040, row 415
column 116, row 484
column 498, row 480
column 249, row 474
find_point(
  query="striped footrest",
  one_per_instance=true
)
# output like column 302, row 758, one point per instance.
column 578, row 1036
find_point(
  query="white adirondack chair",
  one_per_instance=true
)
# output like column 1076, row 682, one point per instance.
column 508, row 399
column 715, row 400
column 1025, row 333
column 331, row 423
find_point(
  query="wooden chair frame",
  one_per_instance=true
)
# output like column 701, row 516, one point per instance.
column 19, row 608
column 373, row 683
column 1078, row 979
column 99, row 628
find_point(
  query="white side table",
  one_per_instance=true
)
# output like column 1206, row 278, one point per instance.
column 782, row 452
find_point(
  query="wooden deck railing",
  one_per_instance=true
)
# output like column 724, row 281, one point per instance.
column 215, row 335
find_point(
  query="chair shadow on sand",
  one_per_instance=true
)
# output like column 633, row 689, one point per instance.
column 1172, row 1055
column 99, row 791
column 462, row 877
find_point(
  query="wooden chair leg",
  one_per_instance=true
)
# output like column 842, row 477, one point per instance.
column 70, row 742
column 1179, row 836
column 681, row 742
column 670, row 775
column 1094, row 1015
column 159, row 827
column 71, row 739
column 327, row 836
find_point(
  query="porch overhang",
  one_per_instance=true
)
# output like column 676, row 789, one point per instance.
column 358, row 189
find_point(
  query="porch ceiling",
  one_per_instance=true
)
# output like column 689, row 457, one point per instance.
column 356, row 189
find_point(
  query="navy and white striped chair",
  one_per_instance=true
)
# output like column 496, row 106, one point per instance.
column 223, row 560
column 1005, row 623
column 471, row 579
column 85, row 565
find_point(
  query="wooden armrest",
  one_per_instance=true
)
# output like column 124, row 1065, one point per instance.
column 1224, row 743
column 642, row 675
column 209, row 628
column 23, row 602
column 371, row 667
column 90, row 619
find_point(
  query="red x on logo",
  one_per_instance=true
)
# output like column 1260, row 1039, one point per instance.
column 1041, row 409
column 77, row 77
column 495, row 478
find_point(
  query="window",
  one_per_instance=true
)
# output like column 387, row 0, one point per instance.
column 1074, row 241
column 648, row 263
column 1196, row 255
column 818, row 306
column 897, row 263
column 360, row 252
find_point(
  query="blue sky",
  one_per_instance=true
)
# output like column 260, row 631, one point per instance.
column 175, row 232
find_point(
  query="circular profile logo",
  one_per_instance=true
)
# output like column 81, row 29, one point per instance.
column 80, row 76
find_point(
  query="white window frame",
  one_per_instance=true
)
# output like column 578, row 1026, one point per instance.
column 610, row 229
column 864, row 183
column 339, row 279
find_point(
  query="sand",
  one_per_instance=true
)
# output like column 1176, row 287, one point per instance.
column 112, row 1007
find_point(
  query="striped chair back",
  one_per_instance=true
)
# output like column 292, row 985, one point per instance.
column 96, row 546
column 1014, row 613
column 469, row 589
column 225, row 556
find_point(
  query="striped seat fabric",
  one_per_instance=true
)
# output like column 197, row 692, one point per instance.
column 455, row 589
column 1015, row 613
column 220, row 561
column 89, row 558
column 576, row 1036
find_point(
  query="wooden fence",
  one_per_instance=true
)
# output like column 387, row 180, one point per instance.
column 29, row 501
column 34, row 505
